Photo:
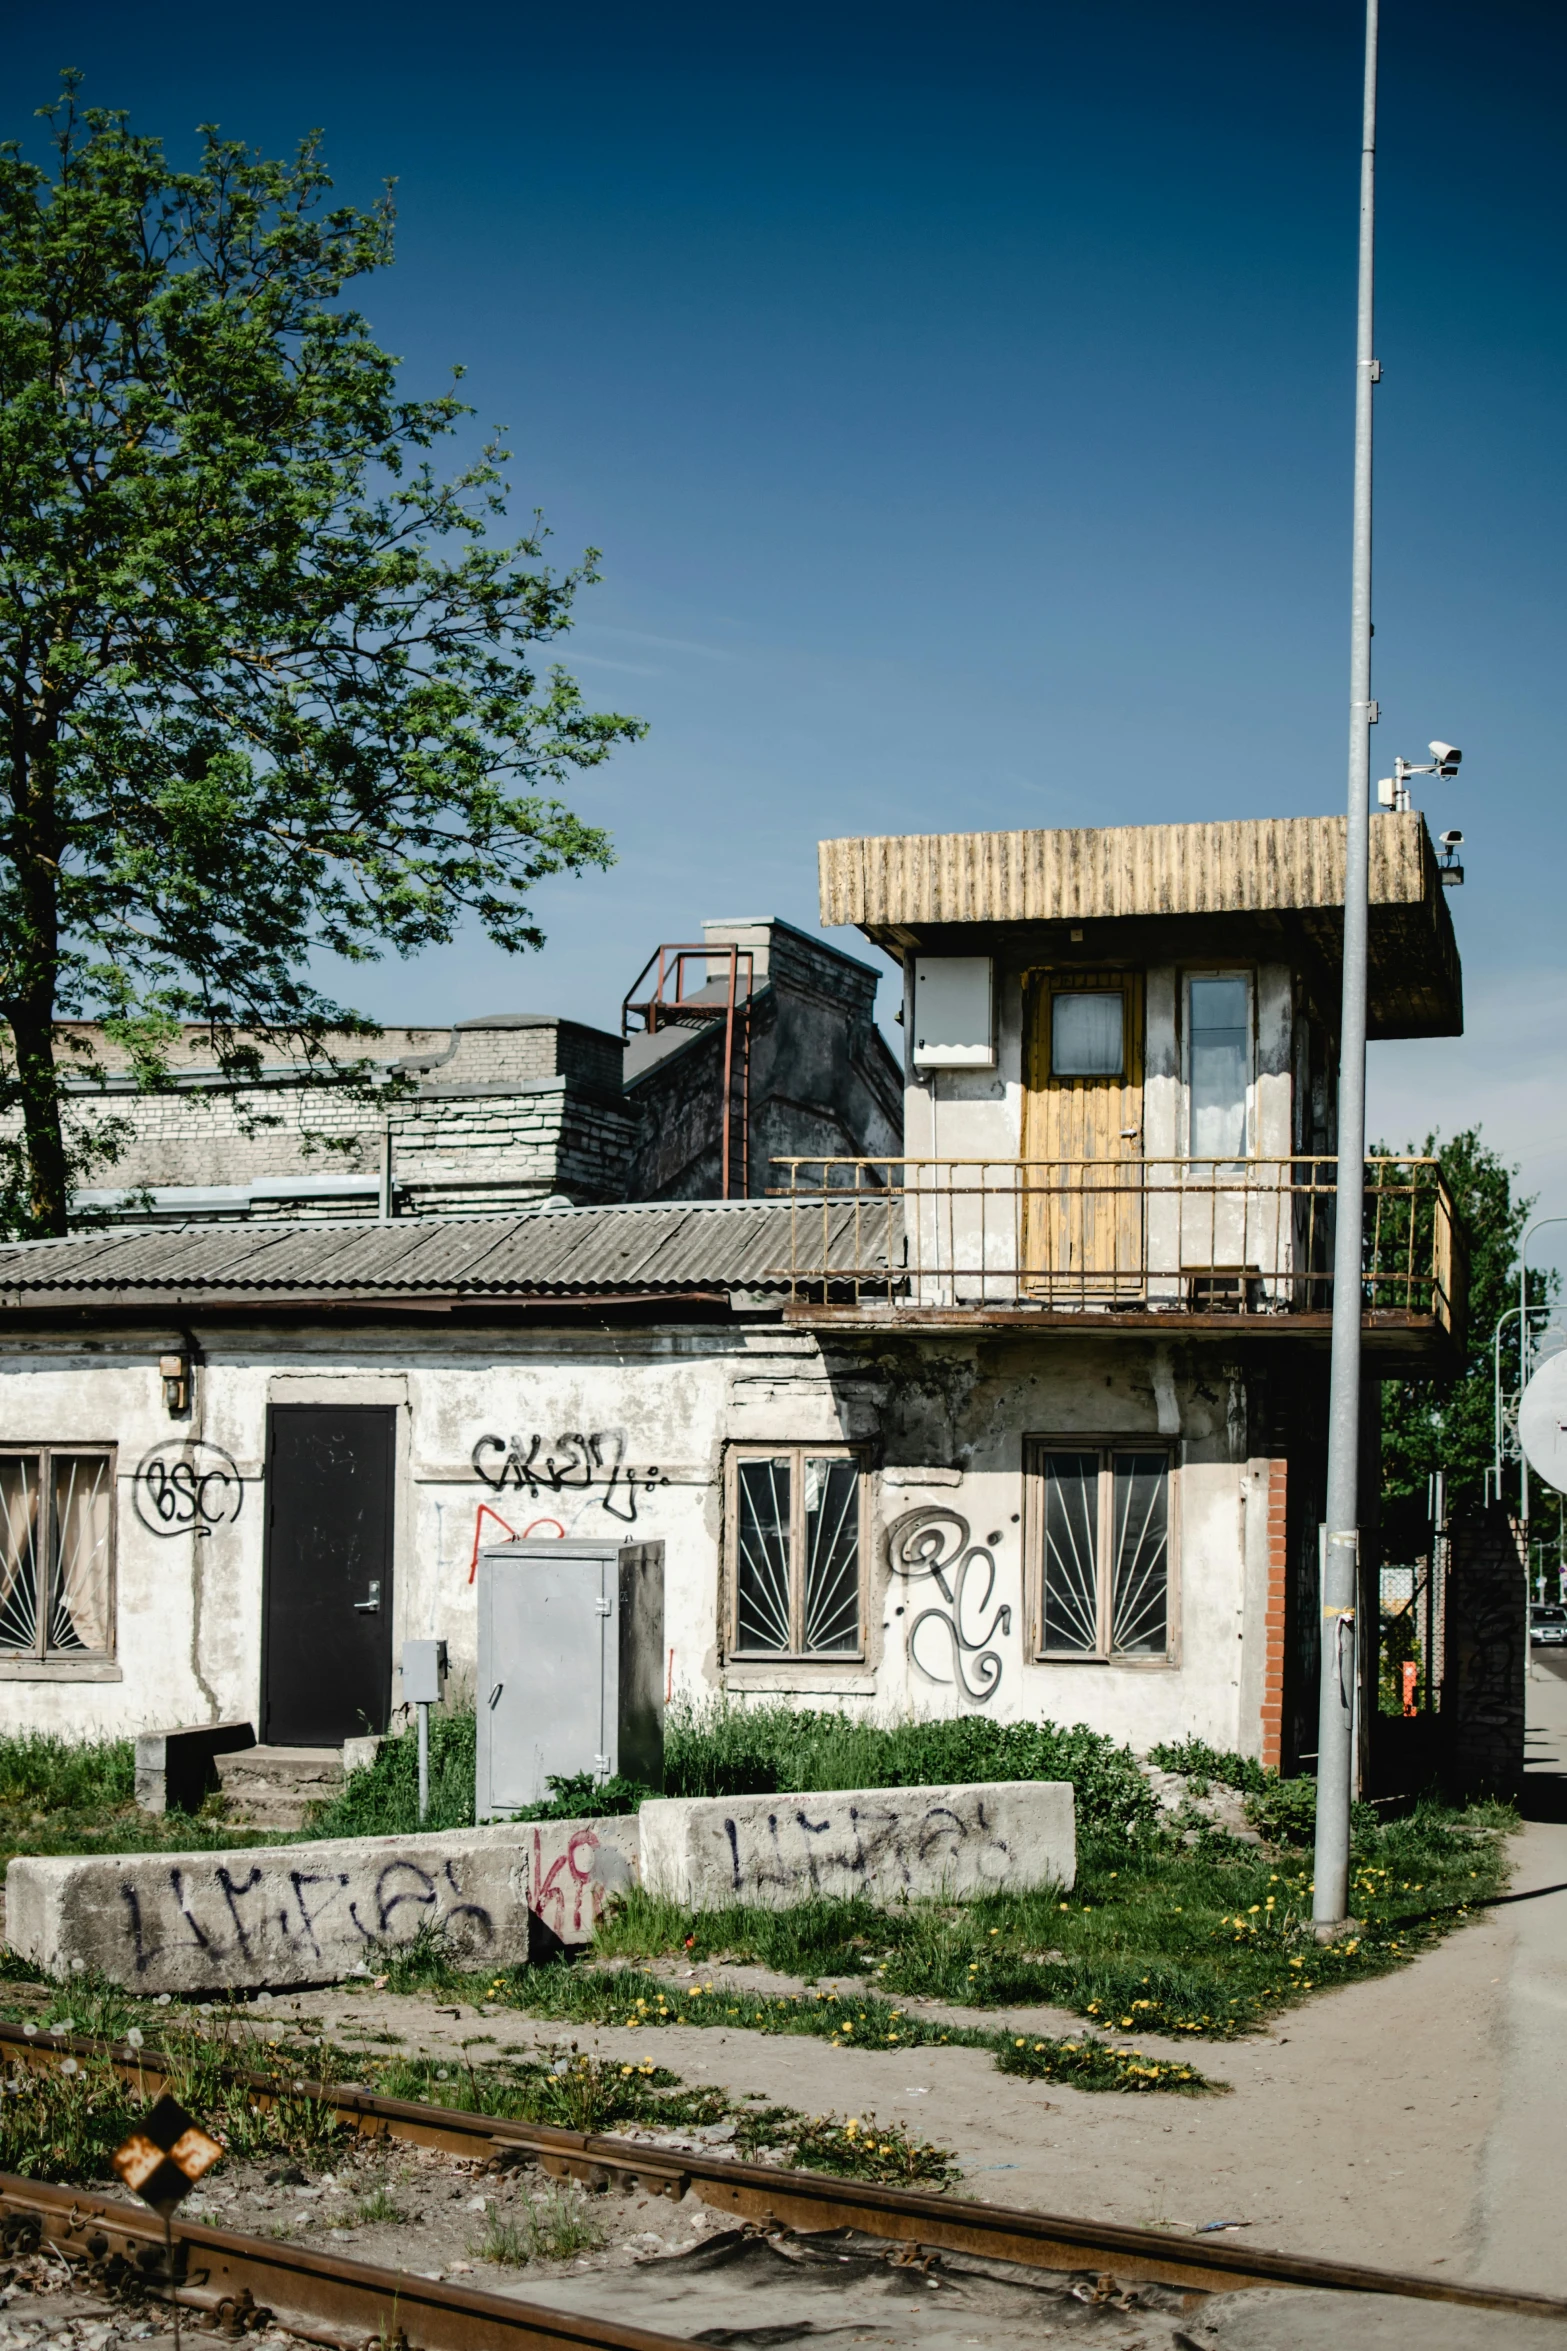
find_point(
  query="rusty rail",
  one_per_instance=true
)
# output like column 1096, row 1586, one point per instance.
column 341, row 2293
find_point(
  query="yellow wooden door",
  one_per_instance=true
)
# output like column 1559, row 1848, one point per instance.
column 1083, row 1137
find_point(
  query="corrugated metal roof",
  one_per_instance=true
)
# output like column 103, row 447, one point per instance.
column 652, row 1250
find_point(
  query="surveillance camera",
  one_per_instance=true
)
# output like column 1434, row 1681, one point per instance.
column 1444, row 754
column 1453, row 840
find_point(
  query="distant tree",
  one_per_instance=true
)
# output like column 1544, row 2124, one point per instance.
column 1446, row 1422
column 266, row 686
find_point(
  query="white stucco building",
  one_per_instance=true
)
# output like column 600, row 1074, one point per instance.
column 1030, row 1419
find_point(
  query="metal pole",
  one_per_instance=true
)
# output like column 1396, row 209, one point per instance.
column 424, row 1760
column 1336, row 1713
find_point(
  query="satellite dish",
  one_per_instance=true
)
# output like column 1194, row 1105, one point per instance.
column 1542, row 1422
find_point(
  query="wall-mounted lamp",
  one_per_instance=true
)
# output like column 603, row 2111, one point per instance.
column 174, row 1371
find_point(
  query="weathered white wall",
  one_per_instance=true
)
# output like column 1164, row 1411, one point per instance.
column 945, row 1421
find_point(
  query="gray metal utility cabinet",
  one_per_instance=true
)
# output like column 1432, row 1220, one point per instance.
column 571, row 1668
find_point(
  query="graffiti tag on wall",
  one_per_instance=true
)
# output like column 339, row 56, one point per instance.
column 186, row 1486
column 573, row 1463
column 935, row 1542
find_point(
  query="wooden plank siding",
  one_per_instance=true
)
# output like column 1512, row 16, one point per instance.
column 900, row 887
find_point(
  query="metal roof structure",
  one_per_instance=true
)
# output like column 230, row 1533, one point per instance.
column 684, row 1249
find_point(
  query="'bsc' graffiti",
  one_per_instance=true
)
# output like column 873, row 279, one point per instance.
column 573, row 1464
column 186, row 1486
column 930, row 1542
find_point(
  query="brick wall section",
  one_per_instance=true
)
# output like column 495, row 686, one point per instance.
column 1274, row 1625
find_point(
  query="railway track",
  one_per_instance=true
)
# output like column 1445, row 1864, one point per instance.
column 346, row 2303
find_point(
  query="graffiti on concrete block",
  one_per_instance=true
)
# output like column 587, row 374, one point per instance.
column 575, row 1871
column 933, row 1541
column 574, row 1463
column 863, row 1846
column 186, row 1486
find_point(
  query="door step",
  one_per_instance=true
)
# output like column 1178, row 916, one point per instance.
column 279, row 1787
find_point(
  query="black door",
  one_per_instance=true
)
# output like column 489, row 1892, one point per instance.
column 326, row 1663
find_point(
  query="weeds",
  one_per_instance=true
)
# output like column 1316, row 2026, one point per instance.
column 859, row 2149
column 379, row 2205
column 552, row 2226
column 64, row 2121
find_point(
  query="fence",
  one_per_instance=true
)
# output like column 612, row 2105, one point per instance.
column 1248, row 1237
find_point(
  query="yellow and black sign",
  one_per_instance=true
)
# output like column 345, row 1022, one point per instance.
column 163, row 2160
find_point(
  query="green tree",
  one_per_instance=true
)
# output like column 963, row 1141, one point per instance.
column 1446, row 1422
column 267, row 686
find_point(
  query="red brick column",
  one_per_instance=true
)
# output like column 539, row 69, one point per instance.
column 1273, row 1633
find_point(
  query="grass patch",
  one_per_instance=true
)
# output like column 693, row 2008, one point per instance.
column 79, row 1796
column 764, row 1750
column 1208, row 1941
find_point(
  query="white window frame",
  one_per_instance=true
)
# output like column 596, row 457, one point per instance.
column 797, row 1451
column 1232, row 971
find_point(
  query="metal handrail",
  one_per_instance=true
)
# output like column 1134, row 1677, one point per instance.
column 1247, row 1236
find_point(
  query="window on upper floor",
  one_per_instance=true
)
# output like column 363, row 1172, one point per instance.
column 1099, row 1520
column 795, row 1549
column 56, row 1553
column 1218, row 1064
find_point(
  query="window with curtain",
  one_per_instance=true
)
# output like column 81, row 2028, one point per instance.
column 794, row 1540
column 1102, row 1542
column 56, row 1554
column 1087, row 1035
column 1218, row 1064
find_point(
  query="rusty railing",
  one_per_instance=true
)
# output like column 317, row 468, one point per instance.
column 1246, row 1237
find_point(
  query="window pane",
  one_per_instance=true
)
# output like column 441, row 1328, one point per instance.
column 79, row 1569
column 19, row 1554
column 1072, row 1551
column 1085, row 1036
column 762, row 1555
column 1142, row 1554
column 832, row 1555
column 1220, row 1066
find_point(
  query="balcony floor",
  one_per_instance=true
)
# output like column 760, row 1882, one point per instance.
column 1416, row 1339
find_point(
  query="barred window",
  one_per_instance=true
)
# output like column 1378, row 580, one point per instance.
column 1101, row 1516
column 795, row 1545
column 56, row 1553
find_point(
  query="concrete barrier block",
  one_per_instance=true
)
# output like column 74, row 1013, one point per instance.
column 574, row 1867
column 176, row 1768
column 271, row 1915
column 706, row 1852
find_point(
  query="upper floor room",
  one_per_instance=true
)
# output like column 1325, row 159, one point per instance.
column 1121, row 1061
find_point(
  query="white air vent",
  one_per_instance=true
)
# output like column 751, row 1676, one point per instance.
column 954, row 1018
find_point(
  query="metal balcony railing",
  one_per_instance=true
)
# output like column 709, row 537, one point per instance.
column 1250, row 1237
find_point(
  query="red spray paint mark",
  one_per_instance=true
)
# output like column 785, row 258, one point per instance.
column 550, row 1890
column 544, row 1522
column 484, row 1512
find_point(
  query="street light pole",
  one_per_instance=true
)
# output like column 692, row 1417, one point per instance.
column 1340, row 1570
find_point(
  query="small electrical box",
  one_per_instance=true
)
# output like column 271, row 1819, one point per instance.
column 954, row 1012
column 424, row 1672
column 571, row 1668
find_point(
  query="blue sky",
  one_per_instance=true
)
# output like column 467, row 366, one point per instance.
column 962, row 401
